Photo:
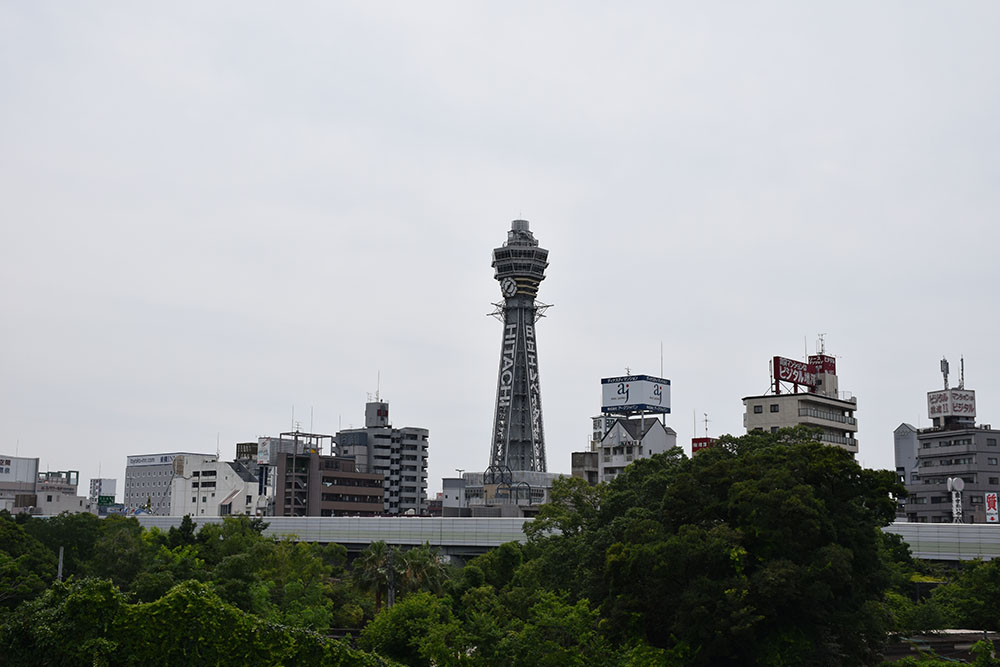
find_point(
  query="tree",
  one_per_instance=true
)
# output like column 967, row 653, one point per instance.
column 763, row 549
column 374, row 569
column 423, row 570
column 76, row 533
column 119, row 553
column 419, row 630
column 70, row 624
column 26, row 566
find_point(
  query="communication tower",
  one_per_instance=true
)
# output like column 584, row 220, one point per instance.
column 518, row 439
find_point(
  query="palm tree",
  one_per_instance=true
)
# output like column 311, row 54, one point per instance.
column 375, row 569
column 423, row 569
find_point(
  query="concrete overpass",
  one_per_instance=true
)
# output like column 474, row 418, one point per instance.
column 949, row 541
column 454, row 536
column 467, row 537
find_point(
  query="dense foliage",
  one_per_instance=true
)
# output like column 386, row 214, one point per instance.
column 765, row 549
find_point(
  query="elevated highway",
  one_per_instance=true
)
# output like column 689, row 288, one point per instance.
column 455, row 536
column 473, row 536
column 949, row 541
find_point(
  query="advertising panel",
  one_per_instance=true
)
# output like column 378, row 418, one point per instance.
column 797, row 372
column 991, row 508
column 263, row 451
column 823, row 363
column 634, row 393
column 951, row 403
column 152, row 460
column 17, row 469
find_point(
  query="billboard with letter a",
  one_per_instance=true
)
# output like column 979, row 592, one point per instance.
column 635, row 393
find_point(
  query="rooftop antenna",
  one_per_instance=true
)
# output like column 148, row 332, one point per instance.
column 628, row 371
column 293, row 417
column 822, row 343
column 661, row 358
column 218, row 452
column 944, row 371
column 961, row 378
column 805, row 349
column 706, row 424
column 310, row 419
column 378, row 386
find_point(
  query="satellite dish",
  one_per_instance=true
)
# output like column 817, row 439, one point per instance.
column 958, row 484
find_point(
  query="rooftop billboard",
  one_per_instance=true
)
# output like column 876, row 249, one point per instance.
column 635, row 393
column 951, row 403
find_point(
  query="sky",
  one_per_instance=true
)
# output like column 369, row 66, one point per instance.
column 219, row 219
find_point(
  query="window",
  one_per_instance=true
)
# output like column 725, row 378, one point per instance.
column 991, row 442
column 992, row 460
column 194, row 499
column 774, row 429
column 994, row 480
column 758, row 409
column 774, row 407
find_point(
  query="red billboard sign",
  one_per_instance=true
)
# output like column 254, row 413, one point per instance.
column 797, row 372
column 823, row 363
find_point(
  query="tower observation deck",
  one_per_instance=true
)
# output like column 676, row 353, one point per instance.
column 518, row 437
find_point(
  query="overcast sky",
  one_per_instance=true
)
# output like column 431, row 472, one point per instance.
column 213, row 214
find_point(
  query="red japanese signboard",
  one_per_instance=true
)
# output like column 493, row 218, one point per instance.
column 797, row 372
column 991, row 508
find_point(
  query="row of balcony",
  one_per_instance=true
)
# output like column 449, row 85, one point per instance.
column 827, row 415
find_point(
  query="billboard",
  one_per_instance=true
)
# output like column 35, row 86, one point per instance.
column 797, row 372
column 151, row 460
column 823, row 363
column 991, row 508
column 698, row 444
column 263, row 451
column 18, row 469
column 634, row 393
column 951, row 403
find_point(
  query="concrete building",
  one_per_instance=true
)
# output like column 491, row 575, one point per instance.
column 297, row 479
column 59, row 481
column 205, row 486
column 497, row 492
column 52, row 502
column 398, row 454
column 315, row 485
column 102, row 486
column 630, row 439
column 148, row 479
column 954, row 447
column 585, row 466
column 18, row 483
column 819, row 403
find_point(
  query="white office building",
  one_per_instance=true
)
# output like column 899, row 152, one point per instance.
column 102, row 486
column 147, row 481
column 204, row 486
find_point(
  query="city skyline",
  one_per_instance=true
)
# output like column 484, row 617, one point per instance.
column 212, row 217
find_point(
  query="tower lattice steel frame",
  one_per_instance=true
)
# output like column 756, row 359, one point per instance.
column 518, row 440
